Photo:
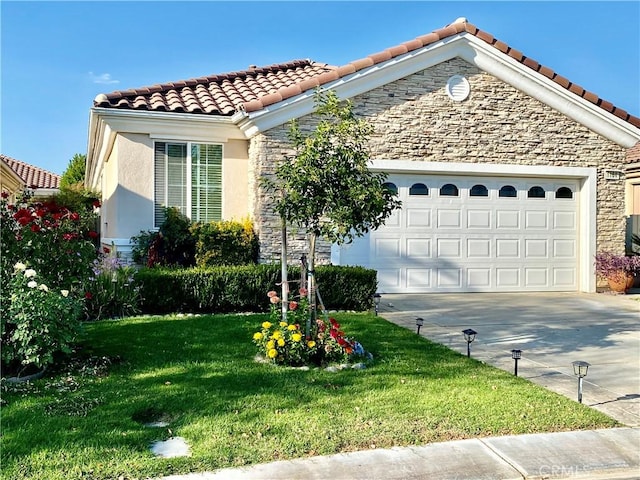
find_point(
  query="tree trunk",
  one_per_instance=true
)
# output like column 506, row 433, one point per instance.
column 285, row 275
column 311, row 282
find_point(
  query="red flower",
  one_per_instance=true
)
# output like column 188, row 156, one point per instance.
column 24, row 221
column 303, row 292
column 88, row 295
column 75, row 217
column 11, row 207
column 96, row 204
column 41, row 212
column 348, row 350
column 293, row 305
column 93, row 234
column 333, row 333
column 35, row 227
column 69, row 236
column 106, row 250
column 5, row 195
column 57, row 216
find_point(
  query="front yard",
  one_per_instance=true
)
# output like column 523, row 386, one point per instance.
column 198, row 374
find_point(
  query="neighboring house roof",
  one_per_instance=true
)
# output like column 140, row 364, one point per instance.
column 257, row 88
column 33, row 177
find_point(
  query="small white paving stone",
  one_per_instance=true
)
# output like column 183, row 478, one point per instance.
column 173, row 447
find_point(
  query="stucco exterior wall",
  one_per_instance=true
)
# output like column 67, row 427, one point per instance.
column 235, row 164
column 131, row 201
column 414, row 119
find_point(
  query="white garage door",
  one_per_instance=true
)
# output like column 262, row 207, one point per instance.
column 475, row 234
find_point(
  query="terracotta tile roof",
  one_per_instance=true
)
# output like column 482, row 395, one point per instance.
column 34, row 177
column 254, row 89
column 219, row 94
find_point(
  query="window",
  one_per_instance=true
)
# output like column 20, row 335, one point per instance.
column 479, row 191
column 536, row 192
column 508, row 191
column 449, row 190
column 564, row 192
column 391, row 187
column 191, row 183
column 419, row 189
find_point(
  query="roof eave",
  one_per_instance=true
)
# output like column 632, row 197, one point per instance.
column 471, row 49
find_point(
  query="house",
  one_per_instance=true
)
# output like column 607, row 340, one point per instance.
column 511, row 176
column 17, row 175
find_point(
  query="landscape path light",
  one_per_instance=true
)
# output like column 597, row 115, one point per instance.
column 516, row 355
column 376, row 302
column 469, row 336
column 580, row 369
column 419, row 323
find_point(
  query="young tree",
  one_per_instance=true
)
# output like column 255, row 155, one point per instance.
column 327, row 187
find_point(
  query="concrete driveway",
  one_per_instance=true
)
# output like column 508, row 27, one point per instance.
column 551, row 329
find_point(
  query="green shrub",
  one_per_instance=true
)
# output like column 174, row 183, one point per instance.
column 244, row 288
column 225, row 243
column 112, row 291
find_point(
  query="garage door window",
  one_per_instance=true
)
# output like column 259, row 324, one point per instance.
column 419, row 189
column 391, row 187
column 508, row 192
column 479, row 191
column 449, row 190
column 564, row 192
column 536, row 192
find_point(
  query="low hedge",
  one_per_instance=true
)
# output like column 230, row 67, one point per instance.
column 244, row 288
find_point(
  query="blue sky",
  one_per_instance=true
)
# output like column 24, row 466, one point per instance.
column 57, row 56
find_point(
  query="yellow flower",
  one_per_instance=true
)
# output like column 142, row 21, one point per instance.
column 276, row 335
column 271, row 344
column 311, row 344
column 283, row 324
column 266, row 325
column 257, row 336
column 296, row 337
column 281, row 342
column 272, row 353
column 292, row 327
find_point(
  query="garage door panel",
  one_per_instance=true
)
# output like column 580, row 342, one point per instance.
column 507, row 277
column 564, row 220
column 478, row 219
column 418, row 217
column 507, row 248
column 478, row 278
column 564, row 277
column 419, row 278
column 536, row 219
column 536, row 248
column 418, row 248
column 536, row 277
column 478, row 248
column 448, row 248
column 449, row 278
column 564, row 248
column 449, row 218
column 507, row 219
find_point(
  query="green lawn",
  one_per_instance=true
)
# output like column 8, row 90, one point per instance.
column 199, row 373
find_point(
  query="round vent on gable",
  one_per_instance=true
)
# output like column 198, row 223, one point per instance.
column 458, row 88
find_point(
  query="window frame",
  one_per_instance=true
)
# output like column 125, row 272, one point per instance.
column 188, row 171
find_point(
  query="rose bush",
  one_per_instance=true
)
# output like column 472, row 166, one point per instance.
column 59, row 243
column 284, row 343
column 37, row 321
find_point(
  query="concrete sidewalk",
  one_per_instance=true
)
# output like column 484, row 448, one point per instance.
column 552, row 330
column 593, row 454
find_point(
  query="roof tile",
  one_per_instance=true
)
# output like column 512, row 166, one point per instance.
column 32, row 176
column 257, row 87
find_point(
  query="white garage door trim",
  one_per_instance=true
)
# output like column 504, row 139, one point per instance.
column 586, row 197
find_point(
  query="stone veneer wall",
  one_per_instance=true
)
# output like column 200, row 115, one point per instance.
column 414, row 119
